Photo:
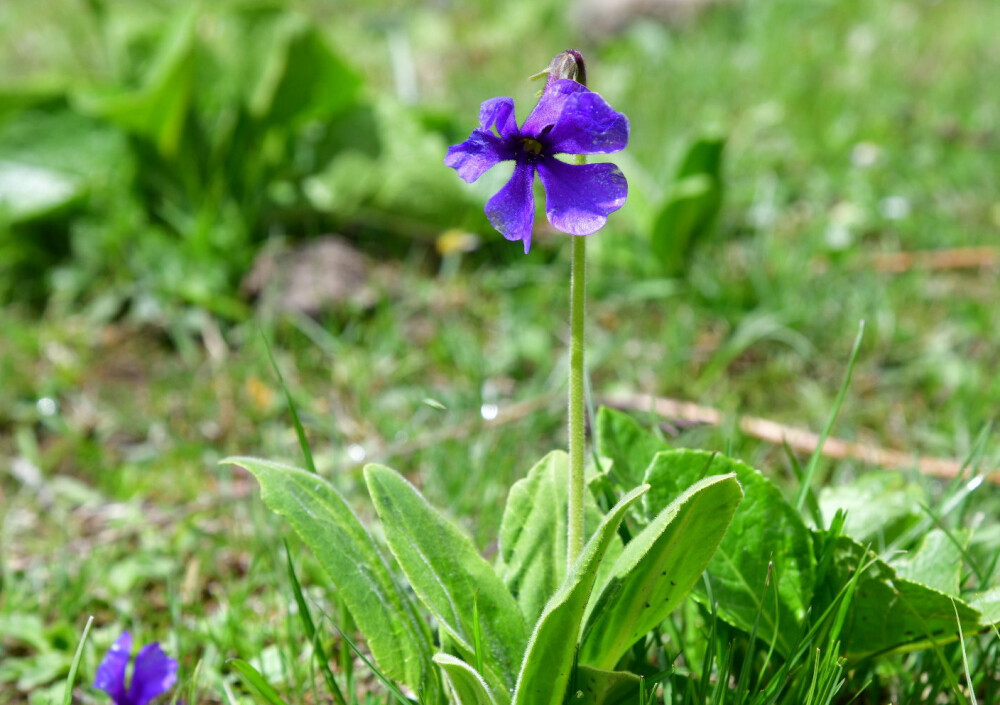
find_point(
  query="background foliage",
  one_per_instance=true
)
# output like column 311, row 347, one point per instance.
column 148, row 150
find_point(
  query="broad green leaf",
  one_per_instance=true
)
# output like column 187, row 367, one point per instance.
column 158, row 109
column 303, row 78
column 988, row 604
column 984, row 551
column 766, row 530
column 692, row 204
column 30, row 192
column 601, row 687
column 51, row 160
column 937, row 562
column 449, row 575
column 880, row 506
column 65, row 142
column 398, row 638
column 548, row 661
column 658, row 568
column 532, row 555
column 21, row 95
column 466, row 685
column 533, row 535
column 889, row 612
column 25, row 627
column 630, row 446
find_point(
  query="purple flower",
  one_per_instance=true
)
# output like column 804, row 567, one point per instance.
column 569, row 119
column 153, row 673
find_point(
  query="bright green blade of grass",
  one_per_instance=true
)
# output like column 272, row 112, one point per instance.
column 310, row 630
column 75, row 666
column 811, row 466
column 292, row 410
column 255, row 680
column 393, row 689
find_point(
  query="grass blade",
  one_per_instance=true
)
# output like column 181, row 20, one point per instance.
column 814, row 460
column 75, row 666
column 296, row 422
column 254, row 679
column 310, row 630
column 392, row 687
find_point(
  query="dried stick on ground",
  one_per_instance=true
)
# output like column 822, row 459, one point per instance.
column 930, row 260
column 797, row 438
column 954, row 258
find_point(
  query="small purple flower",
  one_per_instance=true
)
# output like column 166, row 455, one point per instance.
column 569, row 119
column 153, row 673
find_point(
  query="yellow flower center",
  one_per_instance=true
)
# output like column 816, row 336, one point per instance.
column 531, row 146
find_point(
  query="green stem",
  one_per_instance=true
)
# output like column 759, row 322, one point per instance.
column 577, row 286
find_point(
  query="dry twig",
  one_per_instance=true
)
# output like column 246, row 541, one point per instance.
column 796, row 438
column 954, row 258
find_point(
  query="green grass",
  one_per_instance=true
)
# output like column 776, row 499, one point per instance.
column 135, row 523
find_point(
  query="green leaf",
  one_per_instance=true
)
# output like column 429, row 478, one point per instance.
column 767, row 536
column 630, row 446
column 692, row 205
column 984, row 552
column 658, row 568
column 601, row 687
column 302, row 77
column 532, row 551
column 449, row 575
column 937, row 562
column 466, row 685
column 254, row 679
column 30, row 192
column 26, row 627
column 880, row 506
column 399, row 640
column 22, row 95
column 51, row 160
column 158, row 109
column 888, row 612
column 548, row 662
column 988, row 604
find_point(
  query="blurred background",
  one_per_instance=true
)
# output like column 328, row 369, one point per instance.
column 176, row 177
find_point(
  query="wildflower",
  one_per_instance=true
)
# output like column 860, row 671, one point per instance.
column 568, row 119
column 152, row 674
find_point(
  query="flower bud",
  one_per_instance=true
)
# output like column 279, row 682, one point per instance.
column 569, row 64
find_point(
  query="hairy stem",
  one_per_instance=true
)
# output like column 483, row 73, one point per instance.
column 578, row 282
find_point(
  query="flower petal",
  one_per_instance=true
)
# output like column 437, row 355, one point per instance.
column 499, row 112
column 477, row 155
column 512, row 208
column 551, row 105
column 579, row 197
column 588, row 125
column 111, row 673
column 153, row 675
